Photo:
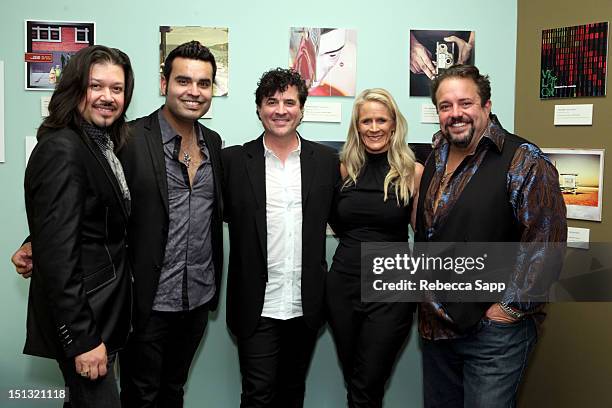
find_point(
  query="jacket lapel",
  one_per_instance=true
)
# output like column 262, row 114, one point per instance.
column 307, row 169
column 108, row 172
column 156, row 150
column 214, row 162
column 256, row 172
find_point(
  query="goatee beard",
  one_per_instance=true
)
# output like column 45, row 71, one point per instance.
column 461, row 143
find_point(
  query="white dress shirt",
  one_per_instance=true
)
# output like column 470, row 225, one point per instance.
column 283, row 298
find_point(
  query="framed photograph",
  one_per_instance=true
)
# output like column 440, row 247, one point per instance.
column 215, row 38
column 581, row 180
column 48, row 48
column 432, row 51
column 573, row 61
column 326, row 58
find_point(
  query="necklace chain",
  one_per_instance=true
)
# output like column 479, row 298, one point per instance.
column 186, row 159
column 446, row 174
column 186, row 156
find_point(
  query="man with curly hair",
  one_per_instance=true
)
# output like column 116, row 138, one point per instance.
column 278, row 191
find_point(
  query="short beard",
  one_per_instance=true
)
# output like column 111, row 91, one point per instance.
column 463, row 143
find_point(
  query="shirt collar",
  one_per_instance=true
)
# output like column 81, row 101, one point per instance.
column 168, row 133
column 493, row 134
column 268, row 152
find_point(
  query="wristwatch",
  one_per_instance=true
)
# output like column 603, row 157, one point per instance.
column 510, row 311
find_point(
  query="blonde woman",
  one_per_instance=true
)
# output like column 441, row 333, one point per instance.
column 374, row 203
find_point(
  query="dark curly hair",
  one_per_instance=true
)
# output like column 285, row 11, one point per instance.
column 463, row 71
column 279, row 79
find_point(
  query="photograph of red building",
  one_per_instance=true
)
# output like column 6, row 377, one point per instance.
column 49, row 46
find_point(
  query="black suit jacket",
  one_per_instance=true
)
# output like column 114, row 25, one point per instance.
column 145, row 171
column 80, row 289
column 245, row 211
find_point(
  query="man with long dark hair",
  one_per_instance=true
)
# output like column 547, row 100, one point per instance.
column 77, row 202
column 172, row 166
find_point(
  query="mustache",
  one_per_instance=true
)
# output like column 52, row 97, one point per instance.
column 460, row 119
column 103, row 104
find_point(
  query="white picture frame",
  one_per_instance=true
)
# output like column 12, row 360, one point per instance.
column 581, row 180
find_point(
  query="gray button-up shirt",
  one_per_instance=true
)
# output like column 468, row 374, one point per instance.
column 187, row 278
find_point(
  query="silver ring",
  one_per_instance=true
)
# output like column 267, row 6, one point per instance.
column 84, row 373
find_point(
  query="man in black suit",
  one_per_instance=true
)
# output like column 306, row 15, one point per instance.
column 77, row 203
column 172, row 164
column 173, row 168
column 278, row 191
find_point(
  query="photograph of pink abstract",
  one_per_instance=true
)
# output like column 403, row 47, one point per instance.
column 326, row 59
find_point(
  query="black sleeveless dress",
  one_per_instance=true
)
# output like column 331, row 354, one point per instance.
column 368, row 336
column 361, row 215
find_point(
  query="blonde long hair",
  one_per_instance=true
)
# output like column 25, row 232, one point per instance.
column 400, row 156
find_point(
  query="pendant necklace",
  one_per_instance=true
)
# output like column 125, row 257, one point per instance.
column 186, row 157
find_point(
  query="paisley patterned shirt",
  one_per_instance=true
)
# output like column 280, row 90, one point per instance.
column 535, row 197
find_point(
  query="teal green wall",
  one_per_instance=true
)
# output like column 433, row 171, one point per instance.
column 258, row 41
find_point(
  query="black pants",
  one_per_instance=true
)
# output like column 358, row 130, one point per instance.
column 274, row 362
column 86, row 393
column 155, row 363
column 368, row 338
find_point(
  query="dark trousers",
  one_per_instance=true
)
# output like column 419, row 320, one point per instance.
column 274, row 361
column 368, row 338
column 86, row 393
column 155, row 363
column 482, row 370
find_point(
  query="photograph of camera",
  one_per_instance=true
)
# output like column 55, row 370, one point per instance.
column 444, row 56
column 434, row 51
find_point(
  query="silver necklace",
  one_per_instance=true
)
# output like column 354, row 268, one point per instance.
column 186, row 159
column 186, row 156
